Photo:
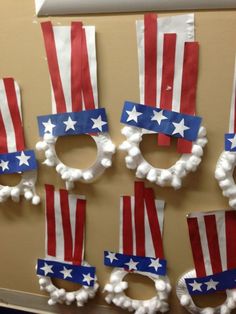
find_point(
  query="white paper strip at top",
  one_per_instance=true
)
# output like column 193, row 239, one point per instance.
column 233, row 104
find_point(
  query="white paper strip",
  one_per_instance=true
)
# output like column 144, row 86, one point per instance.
column 62, row 7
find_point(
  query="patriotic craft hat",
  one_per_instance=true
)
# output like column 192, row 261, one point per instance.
column 64, row 253
column 213, row 241
column 141, row 251
column 168, row 69
column 14, row 158
column 71, row 57
column 227, row 160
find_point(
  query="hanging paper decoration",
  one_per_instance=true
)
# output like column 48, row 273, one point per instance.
column 226, row 163
column 72, row 66
column 168, row 70
column 213, row 242
column 14, row 157
column 64, row 254
column 141, row 252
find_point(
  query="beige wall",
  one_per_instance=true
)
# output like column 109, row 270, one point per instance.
column 22, row 225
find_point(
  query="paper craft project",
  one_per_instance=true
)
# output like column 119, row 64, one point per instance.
column 227, row 160
column 71, row 57
column 141, row 252
column 14, row 157
column 64, row 253
column 168, row 71
column 213, row 241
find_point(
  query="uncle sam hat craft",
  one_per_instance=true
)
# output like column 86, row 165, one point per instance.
column 227, row 160
column 71, row 57
column 141, row 252
column 213, row 241
column 64, row 252
column 168, row 71
column 14, row 157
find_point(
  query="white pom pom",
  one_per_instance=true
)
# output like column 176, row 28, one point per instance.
column 43, row 282
column 41, row 146
column 135, row 304
column 185, row 300
column 225, row 183
column 61, row 293
column 202, row 132
column 49, row 153
column 160, row 285
column 124, row 285
column 106, row 162
column 197, row 150
column 6, row 191
column 65, row 175
column 136, row 138
column 60, row 168
column 195, row 160
column 226, row 165
column 114, row 278
column 208, row 310
column 52, row 302
column 140, row 310
column 125, row 146
column 28, row 195
column 224, row 310
column 35, row 200
column 109, row 147
column 108, row 287
column 49, row 162
column 233, row 294
column 127, row 131
column 231, row 157
column 88, row 175
column 220, row 174
column 166, row 175
column 127, row 304
column 70, row 297
column 49, row 138
column 118, row 288
column 143, row 169
column 108, row 298
column 76, row 174
column 232, row 203
column 231, row 192
column 202, row 142
column 134, row 151
column 130, row 162
column 15, row 192
column 230, row 303
column 176, row 183
column 152, row 175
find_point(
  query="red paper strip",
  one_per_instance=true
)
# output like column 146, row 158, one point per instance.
column 3, row 136
column 230, row 230
column 79, row 231
column 139, row 218
column 127, row 226
column 51, row 221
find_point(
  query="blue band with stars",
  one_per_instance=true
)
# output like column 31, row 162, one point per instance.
column 132, row 262
column 230, row 142
column 213, row 283
column 161, row 121
column 72, row 123
column 16, row 162
column 84, row 275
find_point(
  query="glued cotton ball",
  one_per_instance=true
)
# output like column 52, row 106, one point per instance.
column 152, row 175
column 83, row 295
column 109, row 147
column 231, row 191
column 220, row 174
column 49, row 138
column 114, row 278
column 130, row 162
column 49, row 162
column 195, row 160
column 65, row 175
column 35, row 200
column 224, row 310
column 197, row 150
column 108, row 287
column 6, row 191
column 233, row 293
column 184, row 300
column 127, row 303
column 28, row 195
column 87, row 175
column 202, row 132
column 232, row 203
column 160, row 285
column 50, row 288
column 41, row 146
column 51, row 302
column 15, row 192
column 135, row 304
column 134, row 151
column 79, row 304
column 60, row 168
column 61, row 293
column 49, row 154
column 231, row 303
column 127, row 131
column 202, row 142
column 76, row 174
column 176, row 183
column 125, row 146
column 106, row 162
column 166, row 175
column 124, row 285
column 208, row 310
column 225, row 183
column 43, row 282
column 226, row 165
column 70, row 297
column 140, row 310
column 135, row 138
column 143, row 168
column 118, row 288
column 108, row 298
column 168, row 287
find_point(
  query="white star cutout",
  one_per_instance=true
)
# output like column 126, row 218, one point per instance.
column 87, row 278
column 155, row 263
column 233, row 141
column 4, row 165
column 131, row 264
column 23, row 159
column 180, row 127
column 70, row 124
column 66, row 272
column 47, row 269
column 48, row 126
column 133, row 115
column 158, row 116
column 98, row 123
column 111, row 256
column 196, row 286
column 211, row 284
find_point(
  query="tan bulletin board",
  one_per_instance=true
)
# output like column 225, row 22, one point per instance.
column 22, row 56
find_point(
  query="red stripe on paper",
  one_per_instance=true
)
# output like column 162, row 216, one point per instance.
column 53, row 66
column 139, row 218
column 66, row 224
column 86, row 79
column 230, row 230
column 195, row 240
column 189, row 88
column 154, row 223
column 79, row 231
column 127, row 226
column 213, row 243
column 51, row 221
column 168, row 71
column 3, row 136
column 15, row 113
column 76, row 66
column 150, row 55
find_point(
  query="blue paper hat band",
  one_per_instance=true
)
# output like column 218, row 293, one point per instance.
column 84, row 275
column 210, row 284
column 17, row 162
column 230, row 142
column 161, row 121
column 151, row 265
column 72, row 123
